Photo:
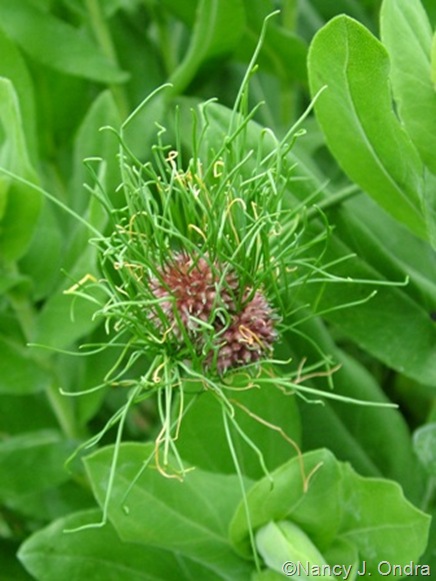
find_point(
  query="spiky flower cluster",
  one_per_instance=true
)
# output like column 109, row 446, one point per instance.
column 196, row 294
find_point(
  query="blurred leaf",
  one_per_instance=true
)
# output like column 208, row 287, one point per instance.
column 19, row 374
column 11, row 569
column 32, row 462
column 424, row 442
column 65, row 319
column 357, row 118
column 407, row 34
column 51, row 554
column 189, row 517
column 283, row 52
column 13, row 67
column 42, row 261
column 218, row 27
column 25, row 413
column 51, row 503
column 19, row 203
column 55, row 43
column 184, row 10
column 90, row 141
column 433, row 60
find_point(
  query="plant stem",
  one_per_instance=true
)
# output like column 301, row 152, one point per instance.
column 102, row 34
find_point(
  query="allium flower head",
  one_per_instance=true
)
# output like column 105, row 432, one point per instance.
column 194, row 290
column 249, row 337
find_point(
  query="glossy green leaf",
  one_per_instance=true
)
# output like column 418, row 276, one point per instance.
column 407, row 34
column 51, row 554
column 218, row 27
column 19, row 203
column 19, row 373
column 356, row 115
column 55, row 43
column 189, row 517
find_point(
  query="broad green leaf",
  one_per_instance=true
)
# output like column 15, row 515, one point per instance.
column 370, row 514
column 19, row 373
column 19, row 203
column 189, row 517
column 32, row 462
column 262, row 414
column 52, row 554
column 356, row 115
column 380, row 522
column 218, row 27
column 424, row 442
column 298, row 490
column 55, row 43
column 407, row 34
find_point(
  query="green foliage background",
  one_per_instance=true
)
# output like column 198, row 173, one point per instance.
column 70, row 67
